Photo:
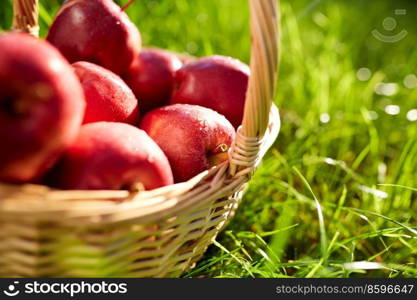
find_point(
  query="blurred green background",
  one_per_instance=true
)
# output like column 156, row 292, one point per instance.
column 348, row 100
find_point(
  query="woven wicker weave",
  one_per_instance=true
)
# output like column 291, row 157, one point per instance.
column 159, row 233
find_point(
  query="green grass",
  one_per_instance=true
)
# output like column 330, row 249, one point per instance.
column 328, row 193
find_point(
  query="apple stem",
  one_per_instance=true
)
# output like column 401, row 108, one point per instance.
column 136, row 187
column 128, row 4
column 221, row 149
column 219, row 155
column 217, row 159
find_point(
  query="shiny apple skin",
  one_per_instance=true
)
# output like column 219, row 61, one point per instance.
column 189, row 135
column 107, row 96
column 215, row 82
column 111, row 156
column 152, row 76
column 97, row 31
column 41, row 107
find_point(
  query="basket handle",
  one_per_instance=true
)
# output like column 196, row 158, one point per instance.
column 244, row 154
column 25, row 16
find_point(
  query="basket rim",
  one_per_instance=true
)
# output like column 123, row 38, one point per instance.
column 40, row 202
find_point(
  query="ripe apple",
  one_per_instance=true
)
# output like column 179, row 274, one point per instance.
column 107, row 96
column 110, row 155
column 216, row 82
column 97, row 31
column 41, row 106
column 194, row 138
column 151, row 77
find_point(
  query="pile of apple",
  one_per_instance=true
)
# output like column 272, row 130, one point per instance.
column 89, row 109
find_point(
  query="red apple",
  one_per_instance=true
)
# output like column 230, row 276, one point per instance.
column 107, row 95
column 194, row 138
column 41, row 106
column 151, row 77
column 109, row 155
column 97, row 31
column 215, row 82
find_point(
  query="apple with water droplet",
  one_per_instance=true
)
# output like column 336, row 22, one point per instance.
column 194, row 138
column 110, row 155
column 41, row 106
column 151, row 77
column 107, row 96
column 98, row 31
column 216, row 82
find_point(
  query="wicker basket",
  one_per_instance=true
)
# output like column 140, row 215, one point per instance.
column 159, row 233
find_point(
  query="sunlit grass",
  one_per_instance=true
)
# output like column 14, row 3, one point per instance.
column 339, row 149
